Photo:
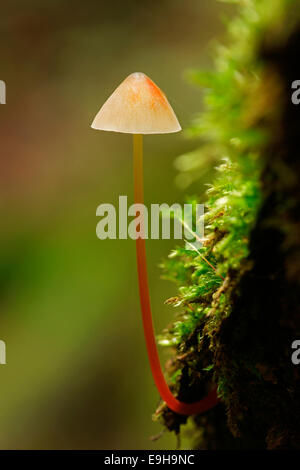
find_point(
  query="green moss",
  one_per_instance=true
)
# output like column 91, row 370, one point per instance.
column 243, row 105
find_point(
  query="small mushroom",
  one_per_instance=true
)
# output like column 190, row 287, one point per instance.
column 139, row 107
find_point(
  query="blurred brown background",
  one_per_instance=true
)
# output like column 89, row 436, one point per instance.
column 77, row 374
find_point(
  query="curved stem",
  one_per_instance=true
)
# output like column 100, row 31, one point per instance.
column 179, row 407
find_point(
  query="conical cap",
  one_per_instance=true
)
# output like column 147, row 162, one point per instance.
column 137, row 106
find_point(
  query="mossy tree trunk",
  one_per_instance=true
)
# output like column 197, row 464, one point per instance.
column 245, row 327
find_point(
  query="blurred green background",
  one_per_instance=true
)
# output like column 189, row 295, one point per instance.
column 77, row 374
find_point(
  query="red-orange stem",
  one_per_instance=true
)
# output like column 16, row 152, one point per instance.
column 179, row 407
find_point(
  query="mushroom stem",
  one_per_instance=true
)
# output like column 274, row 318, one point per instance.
column 175, row 405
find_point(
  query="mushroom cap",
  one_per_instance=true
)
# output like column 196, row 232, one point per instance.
column 137, row 106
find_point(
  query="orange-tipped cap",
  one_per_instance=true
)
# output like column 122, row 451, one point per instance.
column 137, row 106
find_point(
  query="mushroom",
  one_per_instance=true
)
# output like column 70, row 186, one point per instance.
column 139, row 107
